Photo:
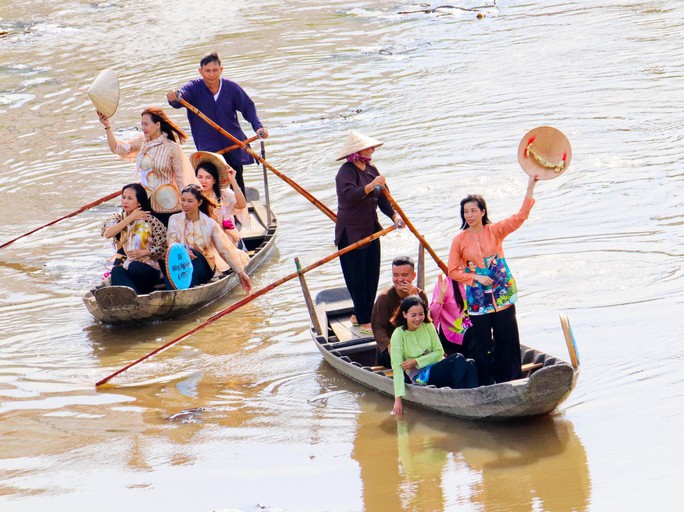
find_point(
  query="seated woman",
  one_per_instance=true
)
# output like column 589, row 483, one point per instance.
column 418, row 357
column 216, row 178
column 447, row 310
column 208, row 246
column 140, row 240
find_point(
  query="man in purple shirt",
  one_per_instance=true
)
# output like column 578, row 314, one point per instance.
column 219, row 99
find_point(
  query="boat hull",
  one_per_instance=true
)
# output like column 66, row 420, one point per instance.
column 547, row 383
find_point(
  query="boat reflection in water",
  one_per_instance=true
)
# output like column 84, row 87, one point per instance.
column 427, row 462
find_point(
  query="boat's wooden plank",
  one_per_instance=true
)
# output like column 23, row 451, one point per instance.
column 255, row 230
column 356, row 348
column 339, row 307
column 257, row 226
column 344, row 330
column 530, row 367
column 260, row 213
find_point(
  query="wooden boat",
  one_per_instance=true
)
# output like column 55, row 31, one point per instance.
column 546, row 380
column 120, row 304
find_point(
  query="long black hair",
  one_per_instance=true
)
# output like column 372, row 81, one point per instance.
column 211, row 169
column 458, row 297
column 206, row 205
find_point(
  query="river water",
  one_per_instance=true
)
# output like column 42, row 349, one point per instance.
column 244, row 415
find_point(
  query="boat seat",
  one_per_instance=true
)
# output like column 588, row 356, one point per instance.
column 383, row 370
column 334, row 345
column 353, row 349
column 530, row 367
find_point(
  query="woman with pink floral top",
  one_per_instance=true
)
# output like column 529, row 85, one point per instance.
column 447, row 311
column 476, row 259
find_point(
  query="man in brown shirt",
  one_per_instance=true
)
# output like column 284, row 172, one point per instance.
column 387, row 302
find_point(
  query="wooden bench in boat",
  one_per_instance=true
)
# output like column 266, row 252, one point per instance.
column 388, row 372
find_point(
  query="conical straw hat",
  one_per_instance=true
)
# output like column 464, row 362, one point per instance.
column 544, row 152
column 355, row 142
column 200, row 157
column 104, row 92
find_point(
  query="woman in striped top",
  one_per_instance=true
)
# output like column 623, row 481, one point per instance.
column 160, row 164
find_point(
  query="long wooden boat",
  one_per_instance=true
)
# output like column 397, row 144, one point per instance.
column 546, row 380
column 120, row 304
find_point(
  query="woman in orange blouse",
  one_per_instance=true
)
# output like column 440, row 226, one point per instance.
column 477, row 260
column 160, row 164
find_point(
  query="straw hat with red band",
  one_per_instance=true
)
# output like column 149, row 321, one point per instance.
column 356, row 142
column 104, row 92
column 200, row 157
column 544, row 152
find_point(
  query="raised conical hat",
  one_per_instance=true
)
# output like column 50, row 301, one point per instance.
column 104, row 92
column 356, row 141
column 544, row 152
column 200, row 157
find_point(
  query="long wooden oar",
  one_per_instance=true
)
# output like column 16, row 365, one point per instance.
column 237, row 146
column 293, row 184
column 413, row 230
column 247, row 299
column 112, row 196
column 72, row 214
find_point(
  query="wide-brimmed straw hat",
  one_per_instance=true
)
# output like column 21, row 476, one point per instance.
column 200, row 157
column 104, row 92
column 544, row 152
column 356, row 142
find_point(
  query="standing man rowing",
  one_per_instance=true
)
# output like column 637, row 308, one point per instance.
column 219, row 99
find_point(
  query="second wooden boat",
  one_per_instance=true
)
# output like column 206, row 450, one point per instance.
column 546, row 380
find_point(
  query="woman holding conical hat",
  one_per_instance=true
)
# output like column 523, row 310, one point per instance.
column 477, row 260
column 359, row 195
column 160, row 164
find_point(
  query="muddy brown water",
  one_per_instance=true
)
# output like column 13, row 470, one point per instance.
column 245, row 415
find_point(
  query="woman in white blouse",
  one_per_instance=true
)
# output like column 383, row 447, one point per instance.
column 216, row 178
column 204, row 239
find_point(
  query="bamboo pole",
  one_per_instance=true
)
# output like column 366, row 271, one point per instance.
column 413, row 230
column 237, row 146
column 72, row 214
column 308, row 300
column 327, row 211
column 110, row 196
column 246, row 300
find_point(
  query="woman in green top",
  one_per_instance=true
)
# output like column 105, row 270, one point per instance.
column 418, row 357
